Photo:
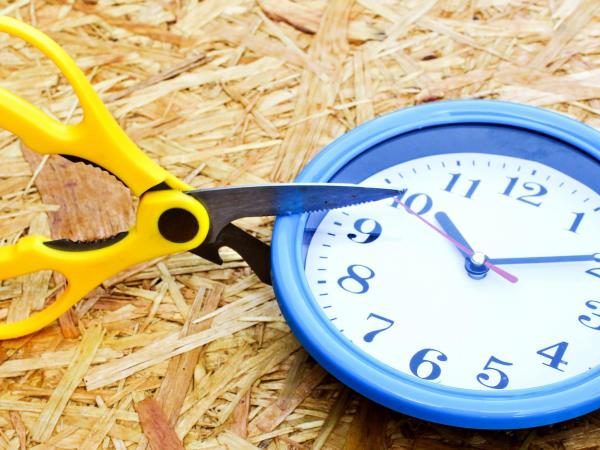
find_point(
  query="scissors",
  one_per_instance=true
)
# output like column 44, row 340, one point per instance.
column 171, row 216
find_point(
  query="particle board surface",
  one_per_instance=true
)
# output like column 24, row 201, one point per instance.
column 224, row 92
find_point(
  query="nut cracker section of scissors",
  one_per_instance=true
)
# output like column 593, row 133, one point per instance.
column 171, row 216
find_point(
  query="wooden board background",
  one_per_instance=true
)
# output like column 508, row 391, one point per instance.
column 230, row 92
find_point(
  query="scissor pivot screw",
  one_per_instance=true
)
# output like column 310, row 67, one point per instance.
column 178, row 225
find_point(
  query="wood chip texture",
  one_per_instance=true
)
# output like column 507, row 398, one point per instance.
column 220, row 92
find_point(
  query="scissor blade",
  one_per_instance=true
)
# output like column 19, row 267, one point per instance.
column 254, row 251
column 230, row 203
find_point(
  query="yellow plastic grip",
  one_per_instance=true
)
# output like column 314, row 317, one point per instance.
column 97, row 138
column 84, row 270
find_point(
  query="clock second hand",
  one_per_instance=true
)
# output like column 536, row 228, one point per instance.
column 503, row 273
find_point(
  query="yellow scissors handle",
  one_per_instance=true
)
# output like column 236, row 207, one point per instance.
column 97, row 138
column 86, row 269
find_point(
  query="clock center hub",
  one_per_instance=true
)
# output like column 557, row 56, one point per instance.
column 475, row 266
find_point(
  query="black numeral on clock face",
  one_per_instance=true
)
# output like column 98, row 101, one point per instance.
column 536, row 189
column 367, row 231
column 578, row 219
column 356, row 282
column 471, row 185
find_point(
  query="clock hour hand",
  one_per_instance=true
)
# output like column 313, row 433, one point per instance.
column 546, row 259
column 451, row 230
column 503, row 273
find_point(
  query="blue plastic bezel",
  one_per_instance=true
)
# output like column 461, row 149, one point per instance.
column 377, row 381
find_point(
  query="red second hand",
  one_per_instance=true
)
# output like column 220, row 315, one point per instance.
column 503, row 273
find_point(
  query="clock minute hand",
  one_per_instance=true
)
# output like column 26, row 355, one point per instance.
column 546, row 259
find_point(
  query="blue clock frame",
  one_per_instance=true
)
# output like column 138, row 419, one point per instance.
column 347, row 159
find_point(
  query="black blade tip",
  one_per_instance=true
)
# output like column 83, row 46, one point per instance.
column 381, row 193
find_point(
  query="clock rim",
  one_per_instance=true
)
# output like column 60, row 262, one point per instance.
column 447, row 405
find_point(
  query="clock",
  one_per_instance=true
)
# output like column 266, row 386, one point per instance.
column 472, row 299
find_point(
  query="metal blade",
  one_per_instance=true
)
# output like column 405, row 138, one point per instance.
column 230, row 203
column 254, row 251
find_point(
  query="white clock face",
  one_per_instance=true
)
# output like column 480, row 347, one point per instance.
column 401, row 291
